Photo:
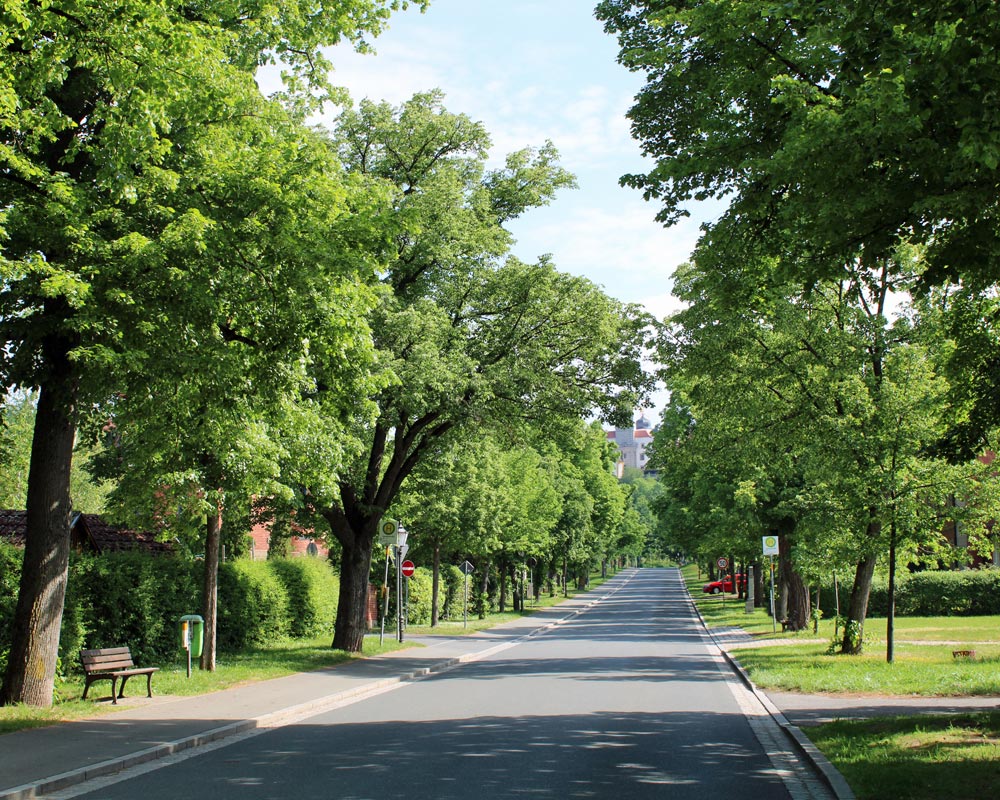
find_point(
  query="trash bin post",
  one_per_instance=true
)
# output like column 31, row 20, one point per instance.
column 192, row 632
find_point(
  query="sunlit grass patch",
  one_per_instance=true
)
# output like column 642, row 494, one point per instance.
column 918, row 758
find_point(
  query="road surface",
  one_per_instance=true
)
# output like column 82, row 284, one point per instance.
column 626, row 700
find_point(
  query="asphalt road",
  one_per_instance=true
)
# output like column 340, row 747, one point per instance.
column 626, row 700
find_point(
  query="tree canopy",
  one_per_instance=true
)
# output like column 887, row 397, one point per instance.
column 465, row 335
column 106, row 110
column 833, row 126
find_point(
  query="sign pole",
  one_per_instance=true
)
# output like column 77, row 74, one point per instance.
column 771, row 549
column 723, row 563
column 774, row 624
column 399, row 599
column 467, row 569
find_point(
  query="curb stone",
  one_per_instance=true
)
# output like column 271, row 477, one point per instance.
column 834, row 781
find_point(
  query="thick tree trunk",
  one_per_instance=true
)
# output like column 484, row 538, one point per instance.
column 794, row 594
column 759, row 590
column 857, row 608
column 435, row 583
column 210, row 589
column 355, row 565
column 31, row 664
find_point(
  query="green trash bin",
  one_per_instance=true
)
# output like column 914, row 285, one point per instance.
column 192, row 632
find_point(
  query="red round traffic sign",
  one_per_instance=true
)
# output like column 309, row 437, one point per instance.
column 723, row 563
column 407, row 568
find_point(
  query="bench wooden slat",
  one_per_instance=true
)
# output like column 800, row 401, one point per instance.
column 108, row 662
column 112, row 663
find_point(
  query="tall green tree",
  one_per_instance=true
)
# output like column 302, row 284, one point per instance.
column 279, row 243
column 96, row 102
column 469, row 335
column 829, row 442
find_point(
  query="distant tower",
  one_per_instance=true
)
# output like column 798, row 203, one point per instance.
column 632, row 443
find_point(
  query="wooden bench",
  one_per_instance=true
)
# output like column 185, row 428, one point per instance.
column 112, row 663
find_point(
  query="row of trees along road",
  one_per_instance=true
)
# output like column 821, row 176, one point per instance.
column 830, row 375
column 545, row 499
column 239, row 305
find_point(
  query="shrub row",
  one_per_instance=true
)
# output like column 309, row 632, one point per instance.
column 928, row 594
column 451, row 595
column 132, row 599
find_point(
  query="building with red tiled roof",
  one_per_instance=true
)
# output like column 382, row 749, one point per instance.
column 632, row 443
column 88, row 532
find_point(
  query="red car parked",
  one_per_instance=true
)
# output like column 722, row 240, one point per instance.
column 724, row 585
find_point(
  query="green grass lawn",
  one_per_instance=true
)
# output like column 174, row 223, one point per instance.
column 916, row 670
column 917, row 758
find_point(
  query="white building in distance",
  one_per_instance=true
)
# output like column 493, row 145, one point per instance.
column 632, row 444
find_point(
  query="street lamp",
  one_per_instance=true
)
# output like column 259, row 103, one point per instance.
column 401, row 547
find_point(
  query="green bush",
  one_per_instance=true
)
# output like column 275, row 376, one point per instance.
column 928, row 594
column 418, row 609
column 452, row 589
column 253, row 605
column 132, row 599
column 10, row 578
column 312, row 589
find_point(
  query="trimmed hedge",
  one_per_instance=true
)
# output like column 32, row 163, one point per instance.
column 418, row 608
column 928, row 594
column 134, row 599
column 312, row 589
column 452, row 590
column 253, row 606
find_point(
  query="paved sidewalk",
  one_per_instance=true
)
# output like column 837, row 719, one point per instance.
column 43, row 760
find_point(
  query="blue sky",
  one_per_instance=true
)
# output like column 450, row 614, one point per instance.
column 531, row 71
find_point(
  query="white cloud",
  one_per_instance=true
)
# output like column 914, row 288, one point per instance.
column 617, row 244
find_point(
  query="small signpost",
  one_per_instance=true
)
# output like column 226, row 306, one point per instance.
column 771, row 550
column 387, row 530
column 467, row 569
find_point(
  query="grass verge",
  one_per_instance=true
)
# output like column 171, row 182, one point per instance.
column 923, row 663
column 919, row 758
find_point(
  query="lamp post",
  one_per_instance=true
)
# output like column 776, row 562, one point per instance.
column 401, row 548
